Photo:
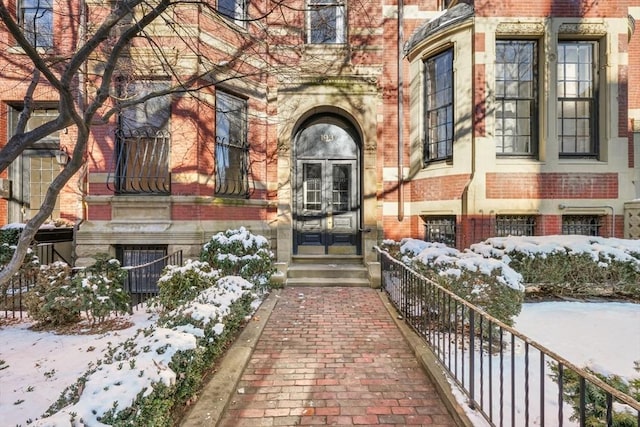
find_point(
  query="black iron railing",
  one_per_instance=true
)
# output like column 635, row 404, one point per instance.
column 507, row 377
column 142, row 280
column 13, row 292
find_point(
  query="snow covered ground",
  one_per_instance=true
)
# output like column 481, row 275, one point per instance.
column 35, row 367
column 39, row 365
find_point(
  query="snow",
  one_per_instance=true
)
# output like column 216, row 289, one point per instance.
column 35, row 367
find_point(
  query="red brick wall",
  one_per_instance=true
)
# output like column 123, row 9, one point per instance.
column 552, row 186
column 439, row 188
column 569, row 8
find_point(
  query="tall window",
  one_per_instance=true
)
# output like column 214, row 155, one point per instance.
column 439, row 107
column 236, row 10
column 326, row 22
column 36, row 19
column 516, row 95
column 232, row 148
column 143, row 141
column 577, row 113
column 33, row 171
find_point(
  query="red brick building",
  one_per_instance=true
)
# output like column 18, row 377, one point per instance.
column 327, row 127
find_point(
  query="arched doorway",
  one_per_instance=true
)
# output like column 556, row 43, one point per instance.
column 326, row 187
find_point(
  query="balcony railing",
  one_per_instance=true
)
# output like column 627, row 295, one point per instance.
column 507, row 377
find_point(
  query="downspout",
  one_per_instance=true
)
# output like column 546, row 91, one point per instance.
column 400, row 112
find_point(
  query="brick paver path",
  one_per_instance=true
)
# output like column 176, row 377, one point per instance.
column 333, row 356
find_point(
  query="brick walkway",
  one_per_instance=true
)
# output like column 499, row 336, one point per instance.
column 333, row 356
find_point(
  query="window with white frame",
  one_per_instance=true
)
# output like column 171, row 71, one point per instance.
column 327, row 22
column 36, row 19
column 577, row 106
column 438, row 93
column 231, row 146
column 235, row 10
column 143, row 141
column 516, row 97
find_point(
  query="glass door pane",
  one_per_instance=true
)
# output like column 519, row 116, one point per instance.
column 312, row 186
column 341, row 187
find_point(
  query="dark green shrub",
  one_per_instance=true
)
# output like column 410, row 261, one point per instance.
column 486, row 283
column 595, row 399
column 60, row 298
column 101, row 287
column 240, row 253
column 574, row 270
column 179, row 284
column 54, row 300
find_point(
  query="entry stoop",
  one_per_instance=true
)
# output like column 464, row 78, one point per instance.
column 315, row 270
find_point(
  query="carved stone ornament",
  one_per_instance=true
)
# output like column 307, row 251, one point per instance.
column 371, row 146
column 520, row 28
column 583, row 29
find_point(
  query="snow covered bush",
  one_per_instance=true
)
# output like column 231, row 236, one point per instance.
column 240, row 253
column 486, row 283
column 179, row 284
column 60, row 298
column 54, row 300
column 576, row 266
column 101, row 288
column 148, row 378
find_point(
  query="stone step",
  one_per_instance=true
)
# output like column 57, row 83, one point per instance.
column 326, row 282
column 325, row 259
column 347, row 271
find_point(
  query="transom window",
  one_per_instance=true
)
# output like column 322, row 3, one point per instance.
column 440, row 229
column 577, row 98
column 326, row 22
column 515, row 225
column 516, row 95
column 438, row 107
column 232, row 148
column 235, row 10
column 36, row 19
column 143, row 141
column 588, row 225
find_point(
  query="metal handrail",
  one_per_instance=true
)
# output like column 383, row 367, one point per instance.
column 142, row 280
column 441, row 318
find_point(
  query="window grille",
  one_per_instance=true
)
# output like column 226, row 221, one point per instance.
column 577, row 98
column 441, row 229
column 142, row 280
column 326, row 22
column 588, row 225
column 438, row 120
column 36, row 19
column 515, row 225
column 516, row 95
column 141, row 162
column 232, row 148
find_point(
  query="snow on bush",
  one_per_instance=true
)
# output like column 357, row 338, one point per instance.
column 131, row 371
column 570, row 264
column 486, row 283
column 240, row 253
